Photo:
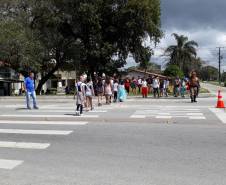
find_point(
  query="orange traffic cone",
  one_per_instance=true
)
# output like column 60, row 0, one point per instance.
column 220, row 102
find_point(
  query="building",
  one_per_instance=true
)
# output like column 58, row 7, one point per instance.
column 59, row 81
column 11, row 83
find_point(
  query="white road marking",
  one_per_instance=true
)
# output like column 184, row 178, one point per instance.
column 43, row 122
column 137, row 116
column 197, row 117
column 220, row 113
column 194, row 114
column 59, row 111
column 165, row 114
column 163, row 117
column 39, row 132
column 23, row 145
column 47, row 116
column 9, row 164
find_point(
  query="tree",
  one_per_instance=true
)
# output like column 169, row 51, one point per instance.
column 183, row 54
column 95, row 35
column 173, row 71
column 209, row 73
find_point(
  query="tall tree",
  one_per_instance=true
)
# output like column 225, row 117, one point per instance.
column 183, row 53
column 94, row 35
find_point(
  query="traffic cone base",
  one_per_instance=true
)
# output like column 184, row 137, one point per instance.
column 220, row 102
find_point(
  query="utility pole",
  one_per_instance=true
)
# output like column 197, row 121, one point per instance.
column 220, row 57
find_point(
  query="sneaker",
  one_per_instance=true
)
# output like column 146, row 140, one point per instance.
column 77, row 113
column 29, row 108
column 36, row 108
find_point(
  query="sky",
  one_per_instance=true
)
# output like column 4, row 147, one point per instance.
column 203, row 21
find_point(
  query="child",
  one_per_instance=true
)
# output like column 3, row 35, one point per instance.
column 133, row 86
column 89, row 91
column 115, row 88
column 99, row 90
column 121, row 92
column 80, row 100
column 144, row 88
column 108, row 91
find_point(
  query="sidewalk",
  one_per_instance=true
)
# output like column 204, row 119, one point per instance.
column 214, row 89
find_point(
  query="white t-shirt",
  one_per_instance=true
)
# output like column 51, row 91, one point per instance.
column 139, row 82
column 166, row 84
column 155, row 83
column 144, row 83
column 115, row 87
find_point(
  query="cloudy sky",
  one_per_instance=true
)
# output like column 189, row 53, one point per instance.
column 201, row 20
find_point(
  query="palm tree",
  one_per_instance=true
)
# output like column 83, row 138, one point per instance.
column 183, row 53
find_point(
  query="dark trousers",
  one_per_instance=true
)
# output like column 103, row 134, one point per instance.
column 80, row 108
column 156, row 92
column 115, row 96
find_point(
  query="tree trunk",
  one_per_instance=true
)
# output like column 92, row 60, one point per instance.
column 45, row 78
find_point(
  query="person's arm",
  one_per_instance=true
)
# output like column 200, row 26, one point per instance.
column 92, row 89
column 76, row 90
column 24, row 85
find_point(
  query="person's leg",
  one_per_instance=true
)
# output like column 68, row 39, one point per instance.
column 78, row 106
column 81, row 109
column 87, row 103
column 192, row 94
column 195, row 94
column 98, row 99
column 28, row 100
column 77, row 113
column 91, row 102
column 33, row 95
column 115, row 96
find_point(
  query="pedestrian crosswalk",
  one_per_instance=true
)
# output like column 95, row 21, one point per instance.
column 15, row 118
column 169, row 112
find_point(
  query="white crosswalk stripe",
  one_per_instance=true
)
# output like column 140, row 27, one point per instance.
column 43, row 122
column 23, row 145
column 37, row 132
column 9, row 164
column 47, row 116
column 169, row 112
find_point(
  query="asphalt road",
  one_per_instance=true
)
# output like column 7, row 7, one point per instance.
column 139, row 142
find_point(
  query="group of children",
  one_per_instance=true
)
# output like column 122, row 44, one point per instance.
column 111, row 88
column 114, row 89
column 154, row 84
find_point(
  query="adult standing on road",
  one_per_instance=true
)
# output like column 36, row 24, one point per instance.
column 194, row 86
column 29, row 87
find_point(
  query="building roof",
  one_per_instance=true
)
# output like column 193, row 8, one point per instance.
column 147, row 73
